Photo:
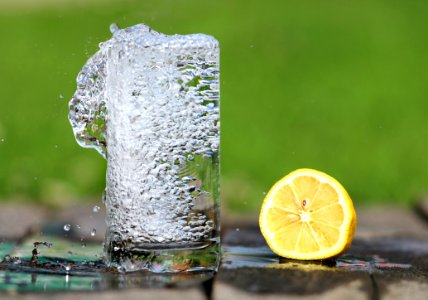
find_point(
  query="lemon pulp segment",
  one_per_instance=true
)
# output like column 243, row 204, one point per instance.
column 308, row 215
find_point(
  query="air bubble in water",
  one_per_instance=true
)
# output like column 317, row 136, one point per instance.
column 67, row 227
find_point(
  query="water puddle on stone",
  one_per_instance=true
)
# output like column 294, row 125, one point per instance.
column 262, row 257
column 64, row 265
column 369, row 263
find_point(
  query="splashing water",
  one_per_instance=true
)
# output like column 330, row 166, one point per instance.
column 149, row 103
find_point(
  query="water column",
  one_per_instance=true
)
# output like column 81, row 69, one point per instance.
column 149, row 103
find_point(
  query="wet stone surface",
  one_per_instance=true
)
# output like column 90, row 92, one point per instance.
column 388, row 260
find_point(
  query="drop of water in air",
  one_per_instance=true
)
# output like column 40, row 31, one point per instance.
column 96, row 209
column 114, row 27
column 93, row 232
column 67, row 227
column 61, row 96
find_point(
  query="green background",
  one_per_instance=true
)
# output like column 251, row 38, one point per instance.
column 340, row 86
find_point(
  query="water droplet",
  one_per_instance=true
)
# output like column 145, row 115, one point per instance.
column 264, row 193
column 116, row 248
column 190, row 157
column 83, row 245
column 61, row 96
column 188, row 178
column 237, row 229
column 93, row 232
column 67, row 227
column 56, row 146
column 67, row 268
column 96, row 209
column 36, row 178
column 251, row 46
column 2, row 140
column 114, row 27
column 78, row 226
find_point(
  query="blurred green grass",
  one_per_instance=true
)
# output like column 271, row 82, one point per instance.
column 338, row 86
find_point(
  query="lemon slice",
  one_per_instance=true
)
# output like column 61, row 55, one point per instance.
column 308, row 215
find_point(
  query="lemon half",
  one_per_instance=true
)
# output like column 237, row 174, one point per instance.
column 308, row 215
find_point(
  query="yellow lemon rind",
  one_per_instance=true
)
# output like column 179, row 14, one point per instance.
column 347, row 228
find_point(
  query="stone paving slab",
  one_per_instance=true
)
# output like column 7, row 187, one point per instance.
column 131, row 294
column 421, row 208
column 353, row 290
column 388, row 260
column 17, row 218
column 394, row 222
